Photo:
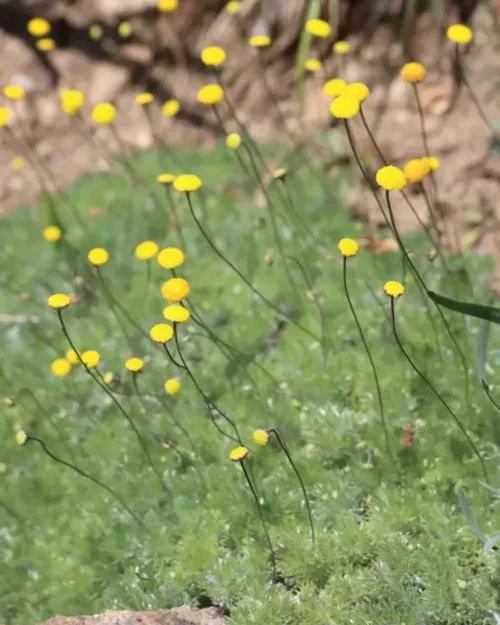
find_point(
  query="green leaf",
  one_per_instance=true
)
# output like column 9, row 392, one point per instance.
column 467, row 308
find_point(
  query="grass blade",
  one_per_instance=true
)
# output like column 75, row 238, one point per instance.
column 467, row 308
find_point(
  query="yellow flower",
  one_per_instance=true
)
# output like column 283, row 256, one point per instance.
column 142, row 99
column 433, row 162
column 108, row 377
column 167, row 6
column 318, row 28
column 103, row 114
column 175, row 290
column 344, row 107
column 348, row 247
column 233, row 141
column 14, row 92
column 259, row 41
column 38, row 27
column 146, row 250
column 52, row 234
column 72, row 357
column 172, row 386
column 391, row 178
column 233, row 7
column 459, row 33
column 280, row 173
column 312, row 65
column 58, row 301
column 71, row 101
column 187, row 183
column 261, row 437
column 98, row 256
column 170, row 108
column 21, row 437
column 334, row 87
column 134, row 365
column 124, row 29
column 394, row 289
column 166, row 178
column 412, row 72
column 341, row 47
column 17, row 162
column 95, row 32
column 170, row 257
column 238, row 454
column 60, row 367
column 46, row 44
column 210, row 94
column 91, row 358
column 357, row 90
column 176, row 313
column 213, row 56
column 4, row 117
column 416, row 169
column 161, row 333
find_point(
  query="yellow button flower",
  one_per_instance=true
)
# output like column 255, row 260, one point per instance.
column 52, row 234
column 161, row 333
column 433, row 162
column 72, row 357
column 334, row 87
column 58, row 301
column 170, row 108
column 95, row 32
column 17, row 162
column 233, row 141
column 98, row 256
column 233, row 7
column 103, row 114
column 72, row 101
column 170, row 257
column 187, row 183
column 145, row 98
column 134, row 365
column 146, row 250
column 348, row 247
column 412, row 73
column 261, row 437
column 394, row 289
column 21, row 437
column 213, row 56
column 391, row 178
column 416, row 169
column 172, row 386
column 91, row 358
column 344, row 107
column 459, row 33
column 38, row 27
column 14, row 92
column 357, row 90
column 318, row 28
column 4, row 117
column 238, row 454
column 60, row 367
column 341, row 47
column 46, row 44
column 210, row 95
column 312, row 65
column 176, row 313
column 166, row 178
column 124, row 29
column 167, row 6
column 108, row 377
column 175, row 290
column 259, row 41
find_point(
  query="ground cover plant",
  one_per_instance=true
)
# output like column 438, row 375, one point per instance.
column 209, row 399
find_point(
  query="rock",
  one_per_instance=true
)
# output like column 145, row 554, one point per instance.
column 108, row 80
column 177, row 616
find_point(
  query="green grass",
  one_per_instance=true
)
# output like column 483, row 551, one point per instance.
column 393, row 545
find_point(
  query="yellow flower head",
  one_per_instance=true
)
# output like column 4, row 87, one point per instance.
column 176, row 313
column 233, row 7
column 21, row 437
column 341, row 47
column 103, row 114
column 187, row 183
column 348, row 247
column 146, row 250
column 412, row 72
column 14, row 92
column 319, row 28
column 459, row 33
column 46, row 44
column 161, row 333
column 17, row 162
column 170, row 257
column 98, row 256
column 394, row 289
column 172, row 386
column 260, row 41
column 433, row 162
column 261, row 437
column 344, row 107
column 60, row 367
column 167, row 6
column 166, row 178
column 334, row 87
column 52, row 234
column 134, row 365
column 4, row 117
column 170, row 108
column 312, row 65
column 108, row 377
column 357, row 90
column 233, row 141
column 72, row 101
column 58, row 301
column 38, row 27
column 238, row 454
column 144, row 98
column 210, row 94
column 91, row 358
column 213, row 56
column 95, row 32
column 124, row 29
column 416, row 169
column 391, row 178
column 175, row 290
column 72, row 357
